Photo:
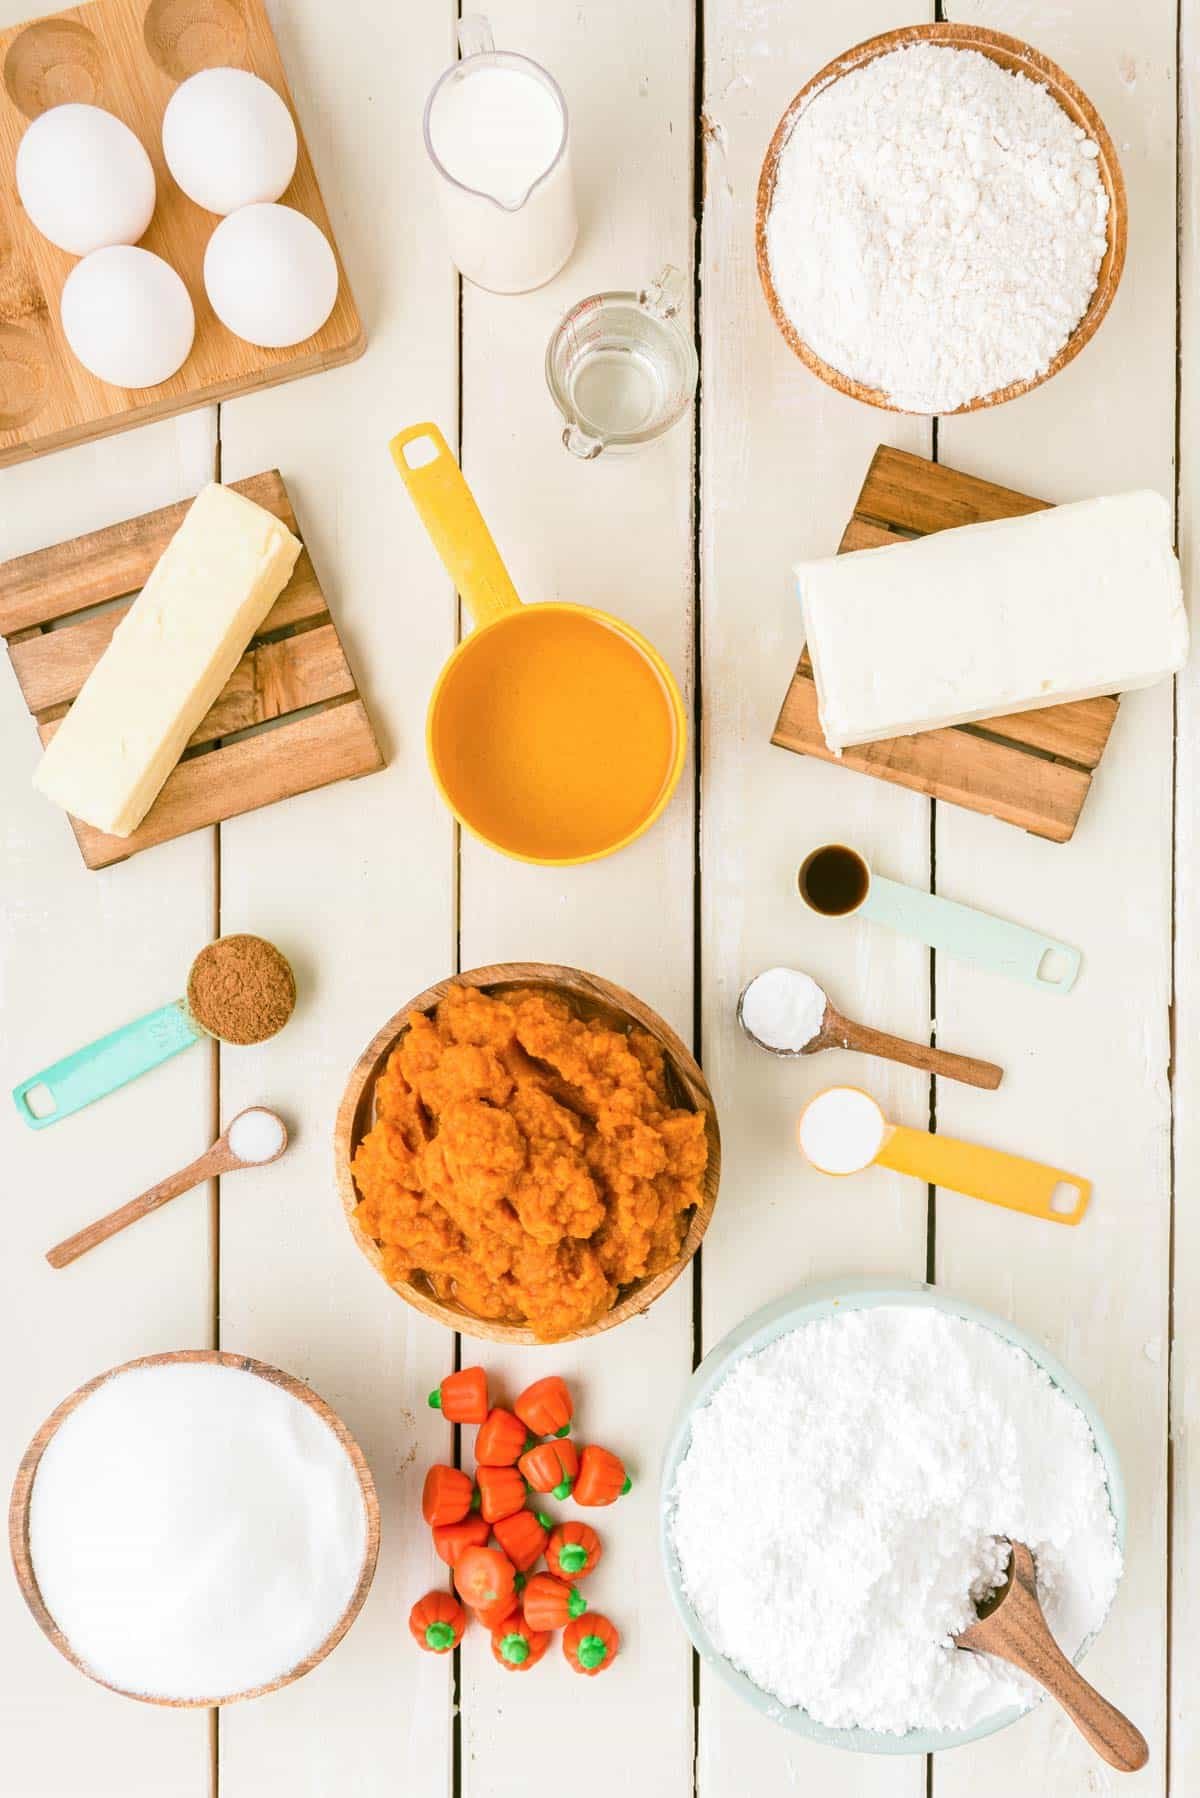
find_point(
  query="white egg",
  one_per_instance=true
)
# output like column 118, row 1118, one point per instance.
column 229, row 140
column 84, row 179
column 271, row 275
column 127, row 316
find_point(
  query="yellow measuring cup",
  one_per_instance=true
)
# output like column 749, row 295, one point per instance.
column 842, row 1130
column 555, row 733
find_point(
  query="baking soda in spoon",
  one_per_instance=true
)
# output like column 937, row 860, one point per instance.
column 783, row 1008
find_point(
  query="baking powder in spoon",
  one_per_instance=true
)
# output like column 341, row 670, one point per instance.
column 783, row 1008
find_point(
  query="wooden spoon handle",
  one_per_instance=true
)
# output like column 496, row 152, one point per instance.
column 850, row 1035
column 214, row 1161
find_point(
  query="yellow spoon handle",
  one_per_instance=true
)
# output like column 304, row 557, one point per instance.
column 987, row 1174
column 454, row 522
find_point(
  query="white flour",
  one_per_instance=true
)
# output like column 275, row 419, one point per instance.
column 937, row 226
column 840, row 1501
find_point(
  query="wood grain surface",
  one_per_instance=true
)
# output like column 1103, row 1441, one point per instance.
column 128, row 57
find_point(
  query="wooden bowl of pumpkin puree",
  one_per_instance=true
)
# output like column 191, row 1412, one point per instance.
column 527, row 1153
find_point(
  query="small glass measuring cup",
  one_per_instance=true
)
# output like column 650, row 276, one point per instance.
column 620, row 367
column 506, row 238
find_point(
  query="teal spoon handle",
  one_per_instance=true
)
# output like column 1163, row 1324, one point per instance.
column 104, row 1065
column 971, row 935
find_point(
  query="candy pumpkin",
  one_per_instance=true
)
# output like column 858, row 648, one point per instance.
column 502, row 1492
column 449, row 1539
column 590, row 1644
column 546, row 1407
column 601, row 1479
column 484, row 1576
column 523, row 1537
column 551, row 1467
column 550, row 1604
column 437, row 1622
column 493, row 1615
column 516, row 1646
column 502, row 1439
column 462, row 1397
column 573, row 1551
column 447, row 1496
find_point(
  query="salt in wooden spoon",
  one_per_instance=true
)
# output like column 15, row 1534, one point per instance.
column 255, row 1137
column 838, row 1032
column 1011, row 1626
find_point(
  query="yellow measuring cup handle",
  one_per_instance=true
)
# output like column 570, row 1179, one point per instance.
column 454, row 522
column 986, row 1174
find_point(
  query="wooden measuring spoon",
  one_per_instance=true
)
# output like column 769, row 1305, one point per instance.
column 839, row 1032
column 1012, row 1627
column 220, row 1159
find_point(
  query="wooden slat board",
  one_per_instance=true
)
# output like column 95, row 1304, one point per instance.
column 294, row 662
column 1033, row 769
column 128, row 56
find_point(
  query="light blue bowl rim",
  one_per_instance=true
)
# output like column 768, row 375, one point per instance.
column 806, row 1305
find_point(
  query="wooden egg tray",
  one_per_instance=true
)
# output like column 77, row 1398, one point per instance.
column 128, row 56
column 294, row 678
column 1033, row 769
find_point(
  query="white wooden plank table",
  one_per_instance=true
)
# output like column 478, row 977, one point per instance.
column 371, row 890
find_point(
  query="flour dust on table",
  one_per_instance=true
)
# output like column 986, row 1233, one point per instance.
column 937, row 226
column 848, row 1494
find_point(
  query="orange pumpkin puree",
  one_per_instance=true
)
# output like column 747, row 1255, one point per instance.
column 528, row 1163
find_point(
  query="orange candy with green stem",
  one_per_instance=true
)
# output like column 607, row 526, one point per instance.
column 573, row 1551
column 523, row 1537
column 450, row 1539
column 493, row 1615
column 602, row 1477
column 546, row 1407
column 591, row 1644
column 437, row 1622
column 484, row 1576
column 551, row 1467
column 502, row 1439
column 502, row 1492
column 548, row 1603
column 516, row 1646
column 447, row 1496
column 462, row 1397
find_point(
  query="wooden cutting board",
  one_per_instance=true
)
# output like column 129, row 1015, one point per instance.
column 294, row 677
column 128, row 57
column 1033, row 768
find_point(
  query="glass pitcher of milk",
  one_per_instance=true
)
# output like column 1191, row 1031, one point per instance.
column 496, row 130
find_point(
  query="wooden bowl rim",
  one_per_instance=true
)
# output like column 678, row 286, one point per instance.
column 605, row 994
column 999, row 46
column 18, row 1517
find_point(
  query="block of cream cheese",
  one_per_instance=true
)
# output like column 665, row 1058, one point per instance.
column 168, row 660
column 1070, row 603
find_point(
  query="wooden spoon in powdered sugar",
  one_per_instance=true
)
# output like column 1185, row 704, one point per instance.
column 1011, row 1626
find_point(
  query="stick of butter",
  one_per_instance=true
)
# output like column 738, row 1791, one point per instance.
column 168, row 660
column 1069, row 603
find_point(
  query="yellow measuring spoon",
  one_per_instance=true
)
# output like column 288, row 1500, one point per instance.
column 843, row 1130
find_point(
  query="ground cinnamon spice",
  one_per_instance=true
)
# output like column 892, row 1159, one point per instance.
column 241, row 989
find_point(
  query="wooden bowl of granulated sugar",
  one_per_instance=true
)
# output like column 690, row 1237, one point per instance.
column 946, row 395
column 195, row 1528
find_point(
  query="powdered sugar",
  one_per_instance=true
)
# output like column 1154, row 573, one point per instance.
column 937, row 226
column 841, row 1499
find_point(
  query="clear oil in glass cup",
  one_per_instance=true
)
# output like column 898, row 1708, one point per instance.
column 620, row 367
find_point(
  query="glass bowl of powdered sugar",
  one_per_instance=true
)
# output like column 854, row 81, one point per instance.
column 941, row 220
column 838, row 1494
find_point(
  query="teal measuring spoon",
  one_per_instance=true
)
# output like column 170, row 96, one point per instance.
column 837, row 882
column 114, row 1060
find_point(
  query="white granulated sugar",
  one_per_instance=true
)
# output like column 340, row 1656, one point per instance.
column 840, row 1503
column 783, row 1008
column 195, row 1530
column 937, row 226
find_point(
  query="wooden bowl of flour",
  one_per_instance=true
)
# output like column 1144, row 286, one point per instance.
column 1018, row 58
column 22, row 1492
